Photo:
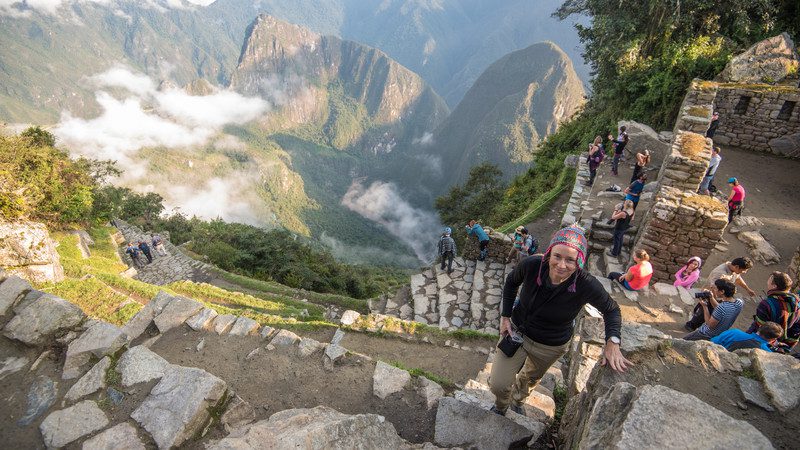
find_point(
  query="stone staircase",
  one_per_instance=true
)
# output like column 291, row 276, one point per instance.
column 467, row 298
column 175, row 266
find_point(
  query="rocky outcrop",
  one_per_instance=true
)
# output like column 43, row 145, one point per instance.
column 99, row 340
column 467, row 425
column 40, row 321
column 770, row 60
column 178, row 406
column 650, row 416
column 27, row 250
column 316, row 428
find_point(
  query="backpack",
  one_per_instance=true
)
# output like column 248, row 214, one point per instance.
column 532, row 244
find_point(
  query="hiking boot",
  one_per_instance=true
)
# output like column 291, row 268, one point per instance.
column 497, row 411
column 518, row 409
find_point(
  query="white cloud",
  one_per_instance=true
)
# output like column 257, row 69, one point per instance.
column 20, row 8
column 230, row 199
column 381, row 203
column 150, row 118
column 424, row 140
column 356, row 254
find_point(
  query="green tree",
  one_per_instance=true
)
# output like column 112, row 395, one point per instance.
column 479, row 198
column 39, row 137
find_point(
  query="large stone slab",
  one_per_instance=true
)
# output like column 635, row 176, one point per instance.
column 665, row 289
column 70, row 424
column 93, row 381
column 308, row 347
column 176, row 312
column 43, row 320
column 770, row 60
column 98, row 340
column 139, row 323
column 223, row 323
column 387, row 380
column 284, row 338
column 177, row 407
column 430, row 391
column 119, row 437
column 316, row 428
column 781, row 376
column 660, row 417
column 467, row 425
column 238, row 413
column 754, row 393
column 139, row 365
column 640, row 337
column 244, row 326
column 26, row 249
column 11, row 290
column 202, row 320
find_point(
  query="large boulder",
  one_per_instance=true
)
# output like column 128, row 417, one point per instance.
column 27, row 250
column 643, row 137
column 11, row 291
column 93, row 381
column 139, row 323
column 178, row 406
column 176, row 312
column 770, row 60
column 119, row 437
column 43, row 319
column 760, row 249
column 139, row 365
column 468, row 425
column 99, row 340
column 315, row 428
column 70, row 424
column 386, row 380
column 781, row 377
column 628, row 417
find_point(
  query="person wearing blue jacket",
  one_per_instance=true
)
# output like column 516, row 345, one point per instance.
column 764, row 339
column 474, row 228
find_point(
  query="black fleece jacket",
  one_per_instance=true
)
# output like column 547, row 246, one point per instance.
column 546, row 313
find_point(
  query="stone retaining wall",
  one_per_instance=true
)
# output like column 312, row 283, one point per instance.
column 499, row 247
column 680, row 225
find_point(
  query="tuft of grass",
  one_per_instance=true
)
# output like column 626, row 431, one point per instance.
column 270, row 305
column 271, row 287
column 698, row 111
column 751, row 373
column 442, row 381
column 560, row 398
column 704, row 202
column 692, row 144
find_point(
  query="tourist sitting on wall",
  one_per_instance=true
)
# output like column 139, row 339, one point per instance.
column 735, row 199
column 634, row 191
column 764, row 339
column 781, row 307
column 638, row 275
column 474, row 228
column 554, row 290
column 725, row 310
column 623, row 216
column 686, row 276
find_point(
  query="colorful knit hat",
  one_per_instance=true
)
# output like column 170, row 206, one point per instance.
column 574, row 237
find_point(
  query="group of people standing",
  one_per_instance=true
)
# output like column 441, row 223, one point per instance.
column 140, row 251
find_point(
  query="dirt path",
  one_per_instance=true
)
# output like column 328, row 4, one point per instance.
column 771, row 184
column 545, row 226
column 282, row 379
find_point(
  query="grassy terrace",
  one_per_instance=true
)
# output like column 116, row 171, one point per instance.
column 95, row 284
column 273, row 288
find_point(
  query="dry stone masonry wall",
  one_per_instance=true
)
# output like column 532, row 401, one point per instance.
column 687, row 162
column 763, row 118
column 680, row 225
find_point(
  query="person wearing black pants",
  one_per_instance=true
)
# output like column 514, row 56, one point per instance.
column 623, row 217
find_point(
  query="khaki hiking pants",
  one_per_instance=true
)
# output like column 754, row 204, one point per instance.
column 513, row 378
